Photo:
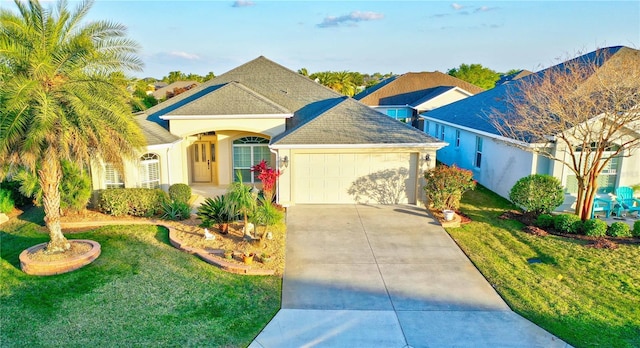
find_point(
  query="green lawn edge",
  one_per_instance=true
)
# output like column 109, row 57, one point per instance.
column 587, row 297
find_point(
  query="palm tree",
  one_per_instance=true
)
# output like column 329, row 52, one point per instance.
column 58, row 100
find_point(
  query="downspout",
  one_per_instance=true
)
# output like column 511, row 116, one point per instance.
column 169, row 165
column 278, row 168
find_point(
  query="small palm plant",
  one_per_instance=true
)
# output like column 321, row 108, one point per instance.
column 241, row 198
column 218, row 211
column 268, row 214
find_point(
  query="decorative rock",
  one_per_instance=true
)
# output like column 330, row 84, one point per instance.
column 208, row 235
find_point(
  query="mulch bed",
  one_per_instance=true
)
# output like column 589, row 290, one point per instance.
column 594, row 242
column 464, row 218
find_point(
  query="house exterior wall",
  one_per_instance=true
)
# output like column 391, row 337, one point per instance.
column 268, row 126
column 441, row 100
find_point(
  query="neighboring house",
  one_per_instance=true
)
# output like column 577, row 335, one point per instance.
column 404, row 97
column 330, row 148
column 497, row 164
column 174, row 89
column 512, row 77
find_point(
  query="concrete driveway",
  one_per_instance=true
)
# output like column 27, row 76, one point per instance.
column 386, row 276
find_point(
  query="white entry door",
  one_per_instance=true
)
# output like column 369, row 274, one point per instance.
column 201, row 155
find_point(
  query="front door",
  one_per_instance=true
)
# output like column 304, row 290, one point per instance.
column 202, row 161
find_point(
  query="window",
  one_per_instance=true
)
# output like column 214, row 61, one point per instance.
column 426, row 127
column 112, row 178
column 247, row 152
column 607, row 180
column 441, row 132
column 478, row 160
column 457, row 138
column 149, row 170
column 435, row 134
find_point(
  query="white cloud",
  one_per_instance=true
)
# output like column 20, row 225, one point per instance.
column 243, row 3
column 350, row 19
column 457, row 6
column 184, row 55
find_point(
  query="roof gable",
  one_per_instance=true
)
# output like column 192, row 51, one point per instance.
column 230, row 99
column 408, row 88
column 351, row 122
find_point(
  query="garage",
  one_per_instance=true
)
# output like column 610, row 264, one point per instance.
column 371, row 177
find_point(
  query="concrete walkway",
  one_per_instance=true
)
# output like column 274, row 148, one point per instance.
column 386, row 276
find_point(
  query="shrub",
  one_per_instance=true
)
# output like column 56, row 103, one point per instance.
column 636, row 229
column 568, row 223
column 544, row 220
column 619, row 229
column 217, row 210
column 180, row 193
column 75, row 188
column 595, row 228
column 537, row 193
column 445, row 185
column 131, row 201
column 14, row 186
column 6, row 201
column 267, row 214
column 175, row 210
column 268, row 176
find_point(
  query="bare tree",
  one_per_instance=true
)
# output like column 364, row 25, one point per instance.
column 581, row 113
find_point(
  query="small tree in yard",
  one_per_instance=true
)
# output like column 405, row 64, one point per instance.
column 537, row 193
column 445, row 185
column 581, row 113
column 268, row 176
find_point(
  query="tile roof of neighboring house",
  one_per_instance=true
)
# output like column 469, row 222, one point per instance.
column 473, row 112
column 162, row 92
column 351, row 122
column 153, row 132
column 274, row 88
column 408, row 88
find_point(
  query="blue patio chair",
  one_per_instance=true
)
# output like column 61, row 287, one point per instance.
column 625, row 201
column 599, row 205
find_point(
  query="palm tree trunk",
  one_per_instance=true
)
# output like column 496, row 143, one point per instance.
column 49, row 177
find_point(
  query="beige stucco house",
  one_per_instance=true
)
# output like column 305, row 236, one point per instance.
column 330, row 148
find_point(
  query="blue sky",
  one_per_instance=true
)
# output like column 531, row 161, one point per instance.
column 368, row 36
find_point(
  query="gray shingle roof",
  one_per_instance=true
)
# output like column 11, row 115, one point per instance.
column 230, row 99
column 153, row 132
column 473, row 112
column 351, row 122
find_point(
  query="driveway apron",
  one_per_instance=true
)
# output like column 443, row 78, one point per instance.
column 386, row 276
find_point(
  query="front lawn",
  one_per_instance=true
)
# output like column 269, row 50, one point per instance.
column 587, row 297
column 140, row 292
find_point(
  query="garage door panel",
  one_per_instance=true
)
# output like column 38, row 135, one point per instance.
column 327, row 178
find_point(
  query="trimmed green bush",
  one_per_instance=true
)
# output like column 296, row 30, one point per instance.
column 636, row 229
column 544, row 220
column 175, row 210
column 180, row 193
column 537, row 193
column 131, row 201
column 6, row 201
column 595, row 228
column 567, row 223
column 445, row 185
column 619, row 229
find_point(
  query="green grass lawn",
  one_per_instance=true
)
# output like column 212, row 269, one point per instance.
column 587, row 297
column 139, row 292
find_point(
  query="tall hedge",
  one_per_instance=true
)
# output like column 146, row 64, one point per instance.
column 132, row 201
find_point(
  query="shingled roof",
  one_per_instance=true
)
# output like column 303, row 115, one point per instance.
column 353, row 123
column 409, row 88
column 153, row 133
column 320, row 115
column 473, row 112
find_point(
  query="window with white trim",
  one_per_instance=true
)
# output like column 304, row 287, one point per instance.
column 437, row 131
column 149, row 170
column 426, row 127
column 112, row 178
column 247, row 152
column 442, row 132
column 478, row 159
column 457, row 138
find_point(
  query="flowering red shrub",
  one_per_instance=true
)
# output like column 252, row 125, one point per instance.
column 268, row 176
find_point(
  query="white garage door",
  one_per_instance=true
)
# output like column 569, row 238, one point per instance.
column 377, row 178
